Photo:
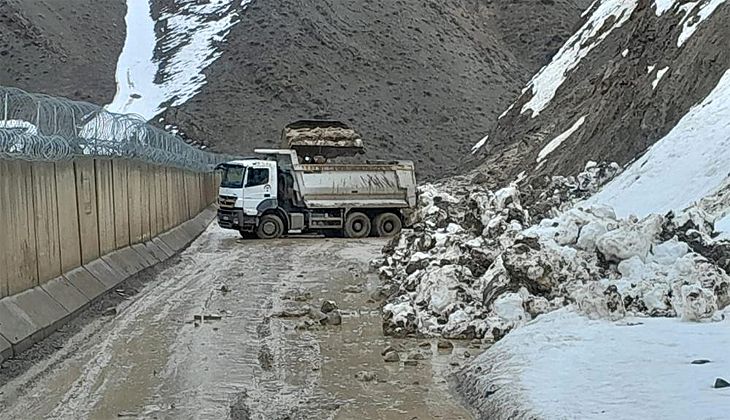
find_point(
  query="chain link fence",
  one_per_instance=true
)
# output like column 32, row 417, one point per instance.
column 37, row 127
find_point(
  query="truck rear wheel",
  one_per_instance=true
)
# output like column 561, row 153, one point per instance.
column 387, row 224
column 357, row 225
column 270, row 227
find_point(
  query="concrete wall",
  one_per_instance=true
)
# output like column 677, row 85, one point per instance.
column 69, row 231
column 56, row 216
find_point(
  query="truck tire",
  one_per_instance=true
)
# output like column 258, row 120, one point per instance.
column 387, row 224
column 357, row 225
column 270, row 227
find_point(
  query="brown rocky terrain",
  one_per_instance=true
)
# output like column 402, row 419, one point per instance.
column 62, row 48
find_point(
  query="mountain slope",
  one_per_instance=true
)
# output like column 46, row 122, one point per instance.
column 619, row 85
column 419, row 80
column 62, row 48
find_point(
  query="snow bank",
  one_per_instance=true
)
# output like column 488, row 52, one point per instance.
column 681, row 168
column 145, row 84
column 565, row 366
column 609, row 15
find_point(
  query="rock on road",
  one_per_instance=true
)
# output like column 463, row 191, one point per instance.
column 202, row 341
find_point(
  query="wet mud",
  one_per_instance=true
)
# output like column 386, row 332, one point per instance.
column 207, row 339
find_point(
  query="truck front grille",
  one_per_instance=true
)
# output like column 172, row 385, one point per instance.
column 226, row 202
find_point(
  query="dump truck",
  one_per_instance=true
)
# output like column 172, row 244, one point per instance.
column 296, row 189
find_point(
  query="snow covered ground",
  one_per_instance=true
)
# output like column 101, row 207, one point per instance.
column 565, row 366
column 146, row 84
column 723, row 226
column 681, row 168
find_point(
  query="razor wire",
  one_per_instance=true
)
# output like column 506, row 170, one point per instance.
column 37, row 127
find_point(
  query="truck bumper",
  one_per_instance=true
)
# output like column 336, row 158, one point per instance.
column 235, row 219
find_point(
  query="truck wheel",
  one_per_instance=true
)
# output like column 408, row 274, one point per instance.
column 387, row 224
column 270, row 227
column 357, row 225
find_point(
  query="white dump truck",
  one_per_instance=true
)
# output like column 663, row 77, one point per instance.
column 275, row 193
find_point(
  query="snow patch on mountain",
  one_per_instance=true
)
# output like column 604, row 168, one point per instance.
column 659, row 74
column 479, row 144
column 690, row 24
column 137, row 92
column 147, row 85
column 681, row 168
column 662, row 6
column 609, row 15
column 557, row 141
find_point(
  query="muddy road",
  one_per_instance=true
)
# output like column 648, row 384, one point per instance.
column 224, row 332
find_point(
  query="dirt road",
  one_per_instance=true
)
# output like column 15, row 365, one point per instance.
column 254, row 354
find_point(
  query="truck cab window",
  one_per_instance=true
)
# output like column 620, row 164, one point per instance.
column 232, row 177
column 257, row 176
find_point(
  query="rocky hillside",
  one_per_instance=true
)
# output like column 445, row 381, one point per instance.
column 421, row 80
column 62, row 48
column 622, row 82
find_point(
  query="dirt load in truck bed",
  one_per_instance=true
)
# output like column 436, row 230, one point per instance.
column 323, row 136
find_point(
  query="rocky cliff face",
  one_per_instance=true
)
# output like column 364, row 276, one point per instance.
column 618, row 85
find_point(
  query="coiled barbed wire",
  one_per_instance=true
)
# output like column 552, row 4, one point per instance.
column 37, row 127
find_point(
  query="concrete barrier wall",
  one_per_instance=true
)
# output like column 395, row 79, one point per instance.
column 69, row 231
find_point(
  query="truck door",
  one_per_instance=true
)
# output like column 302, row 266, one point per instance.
column 257, row 188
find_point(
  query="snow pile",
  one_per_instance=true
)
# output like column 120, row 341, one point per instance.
column 475, row 266
column 566, row 366
column 146, row 83
column 608, row 15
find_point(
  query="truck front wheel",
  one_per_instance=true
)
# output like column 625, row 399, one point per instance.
column 357, row 225
column 387, row 224
column 270, row 227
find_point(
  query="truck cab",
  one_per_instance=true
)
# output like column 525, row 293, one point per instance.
column 246, row 187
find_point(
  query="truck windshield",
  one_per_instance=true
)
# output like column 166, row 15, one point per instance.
column 233, row 177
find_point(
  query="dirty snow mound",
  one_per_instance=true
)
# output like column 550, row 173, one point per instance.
column 477, row 266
